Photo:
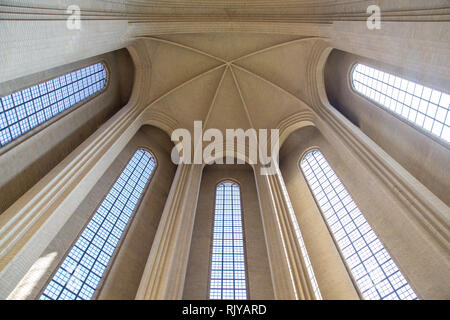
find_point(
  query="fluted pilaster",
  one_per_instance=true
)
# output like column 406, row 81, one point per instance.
column 164, row 273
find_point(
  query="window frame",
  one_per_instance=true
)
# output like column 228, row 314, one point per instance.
column 303, row 247
column 413, row 125
column 247, row 283
column 331, row 233
column 112, row 260
column 302, row 174
column 33, row 131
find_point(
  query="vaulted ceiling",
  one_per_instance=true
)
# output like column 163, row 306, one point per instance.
column 228, row 80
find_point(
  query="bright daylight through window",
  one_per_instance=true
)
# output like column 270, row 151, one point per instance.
column 373, row 269
column 228, row 278
column 420, row 105
column 81, row 271
column 26, row 109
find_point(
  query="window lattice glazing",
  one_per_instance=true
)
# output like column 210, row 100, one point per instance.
column 228, row 277
column 81, row 271
column 304, row 252
column 373, row 269
column 24, row 110
column 420, row 105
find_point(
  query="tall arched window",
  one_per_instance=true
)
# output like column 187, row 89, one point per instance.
column 420, row 105
column 304, row 252
column 81, row 271
column 228, row 276
column 373, row 269
column 26, row 109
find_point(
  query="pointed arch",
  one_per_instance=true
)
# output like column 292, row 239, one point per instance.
column 81, row 271
column 228, row 276
column 372, row 268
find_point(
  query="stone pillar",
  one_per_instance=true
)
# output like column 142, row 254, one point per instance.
column 28, row 226
column 164, row 273
column 289, row 273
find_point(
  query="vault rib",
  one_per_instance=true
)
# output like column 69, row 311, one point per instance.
column 184, row 84
column 229, row 65
column 271, row 83
column 214, row 97
column 176, row 44
column 242, row 98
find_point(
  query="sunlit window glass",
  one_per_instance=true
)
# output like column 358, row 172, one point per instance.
column 304, row 252
column 81, row 271
column 228, row 277
column 420, row 105
column 373, row 269
column 26, row 109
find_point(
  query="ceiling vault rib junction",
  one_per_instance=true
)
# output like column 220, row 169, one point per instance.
column 174, row 43
column 228, row 64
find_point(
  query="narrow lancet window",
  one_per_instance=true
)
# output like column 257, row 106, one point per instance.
column 371, row 266
column 81, row 271
column 417, row 104
column 26, row 109
column 228, row 276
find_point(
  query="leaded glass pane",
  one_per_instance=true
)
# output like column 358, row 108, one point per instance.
column 82, row 269
column 228, row 277
column 373, row 269
column 24, row 110
column 417, row 104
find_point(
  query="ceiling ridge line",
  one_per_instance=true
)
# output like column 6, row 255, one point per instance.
column 242, row 97
column 183, row 46
column 214, row 97
column 185, row 83
column 276, row 46
column 271, row 83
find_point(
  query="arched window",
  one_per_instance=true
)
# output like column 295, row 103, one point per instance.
column 373, row 269
column 79, row 274
column 228, row 276
column 420, row 105
column 26, row 109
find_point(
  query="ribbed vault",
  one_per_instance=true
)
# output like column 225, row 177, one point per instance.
column 228, row 80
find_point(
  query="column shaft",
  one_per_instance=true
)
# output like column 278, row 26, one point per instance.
column 289, row 273
column 164, row 273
